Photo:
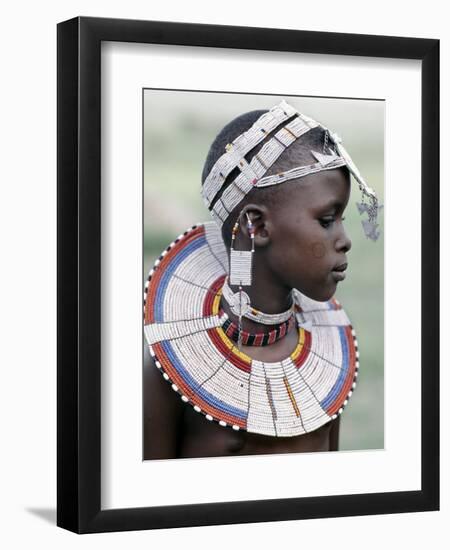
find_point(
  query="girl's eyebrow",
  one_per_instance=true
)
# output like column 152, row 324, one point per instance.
column 333, row 204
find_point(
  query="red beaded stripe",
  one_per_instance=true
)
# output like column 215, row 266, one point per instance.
column 258, row 339
column 300, row 360
column 211, row 294
column 229, row 333
column 233, row 357
column 158, row 273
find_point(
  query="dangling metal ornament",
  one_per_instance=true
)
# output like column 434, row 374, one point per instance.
column 370, row 229
column 239, row 302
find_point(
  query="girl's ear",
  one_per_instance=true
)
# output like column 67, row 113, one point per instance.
column 258, row 217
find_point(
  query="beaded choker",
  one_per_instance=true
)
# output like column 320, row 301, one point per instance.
column 204, row 366
column 258, row 339
column 239, row 303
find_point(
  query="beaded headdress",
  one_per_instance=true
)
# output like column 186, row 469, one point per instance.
column 251, row 174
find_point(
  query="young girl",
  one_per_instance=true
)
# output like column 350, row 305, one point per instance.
column 248, row 351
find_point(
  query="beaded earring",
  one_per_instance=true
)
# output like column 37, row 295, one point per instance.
column 241, row 262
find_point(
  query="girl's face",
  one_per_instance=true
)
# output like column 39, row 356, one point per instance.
column 308, row 243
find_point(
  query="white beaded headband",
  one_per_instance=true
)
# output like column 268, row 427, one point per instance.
column 251, row 173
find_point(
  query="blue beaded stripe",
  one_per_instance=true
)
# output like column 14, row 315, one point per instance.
column 150, row 275
column 196, row 388
column 169, row 271
column 334, row 392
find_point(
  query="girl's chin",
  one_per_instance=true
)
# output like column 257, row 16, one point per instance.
column 321, row 295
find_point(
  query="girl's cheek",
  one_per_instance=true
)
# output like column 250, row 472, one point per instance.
column 317, row 250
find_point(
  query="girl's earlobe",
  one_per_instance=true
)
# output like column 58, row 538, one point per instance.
column 257, row 216
column 262, row 237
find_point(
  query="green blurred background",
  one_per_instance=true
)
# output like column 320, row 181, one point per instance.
column 179, row 127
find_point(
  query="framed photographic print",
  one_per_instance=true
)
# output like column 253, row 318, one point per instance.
column 213, row 365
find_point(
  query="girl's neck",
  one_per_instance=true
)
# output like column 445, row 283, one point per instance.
column 266, row 295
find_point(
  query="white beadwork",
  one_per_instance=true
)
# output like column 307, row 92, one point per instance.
column 299, row 172
column 241, row 267
column 244, row 143
column 260, row 163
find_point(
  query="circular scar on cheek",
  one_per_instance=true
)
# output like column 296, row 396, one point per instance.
column 318, row 250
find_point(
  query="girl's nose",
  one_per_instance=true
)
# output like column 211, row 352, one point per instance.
column 343, row 243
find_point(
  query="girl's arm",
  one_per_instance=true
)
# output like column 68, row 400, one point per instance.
column 163, row 410
column 334, row 434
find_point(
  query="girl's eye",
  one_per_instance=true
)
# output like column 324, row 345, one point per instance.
column 326, row 222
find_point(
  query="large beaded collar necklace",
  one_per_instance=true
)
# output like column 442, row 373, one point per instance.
column 184, row 329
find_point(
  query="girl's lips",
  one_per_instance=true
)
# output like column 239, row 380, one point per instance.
column 339, row 272
column 341, row 267
column 338, row 275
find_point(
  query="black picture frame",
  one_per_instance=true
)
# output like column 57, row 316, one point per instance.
column 79, row 275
